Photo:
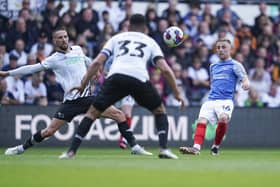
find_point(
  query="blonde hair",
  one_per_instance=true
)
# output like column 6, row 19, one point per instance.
column 223, row 40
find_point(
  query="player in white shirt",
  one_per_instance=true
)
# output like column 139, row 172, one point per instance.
column 69, row 65
column 128, row 75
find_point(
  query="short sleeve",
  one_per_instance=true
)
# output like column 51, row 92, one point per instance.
column 239, row 70
column 108, row 47
column 156, row 51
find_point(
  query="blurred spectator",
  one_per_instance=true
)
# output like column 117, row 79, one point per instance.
column 171, row 11
column 258, row 26
column 276, row 68
column 43, row 42
column 115, row 13
column 13, row 64
column 54, row 90
column 193, row 14
column 248, row 56
column 4, row 56
column 19, row 52
column 5, row 26
column 202, row 53
column 50, row 24
column 19, row 31
column 86, row 27
column 157, row 36
column 126, row 8
column 105, row 35
column 5, row 96
column 82, row 42
column 265, row 54
column 205, row 35
column 51, row 9
column 272, row 98
column 15, row 87
column 69, row 25
column 253, row 99
column 199, row 81
column 226, row 9
column 260, row 79
column 31, row 24
column 35, row 90
column 40, row 55
column 192, row 25
column 90, row 5
column 72, row 11
column 105, row 19
column 151, row 19
column 208, row 17
column 244, row 34
column 170, row 99
column 262, row 15
column 123, row 26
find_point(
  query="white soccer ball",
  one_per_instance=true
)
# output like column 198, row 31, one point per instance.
column 173, row 36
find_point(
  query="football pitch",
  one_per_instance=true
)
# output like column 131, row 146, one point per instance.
column 99, row 167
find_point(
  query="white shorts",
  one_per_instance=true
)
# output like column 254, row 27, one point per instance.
column 128, row 100
column 212, row 109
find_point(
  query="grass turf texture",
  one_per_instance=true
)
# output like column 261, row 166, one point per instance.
column 117, row 168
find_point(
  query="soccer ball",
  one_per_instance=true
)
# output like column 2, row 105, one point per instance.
column 173, row 36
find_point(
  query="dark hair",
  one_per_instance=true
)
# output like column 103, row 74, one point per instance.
column 137, row 20
column 62, row 28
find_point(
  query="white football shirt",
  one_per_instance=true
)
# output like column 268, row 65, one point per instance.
column 69, row 69
column 131, row 51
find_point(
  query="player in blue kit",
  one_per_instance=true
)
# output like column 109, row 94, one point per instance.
column 225, row 75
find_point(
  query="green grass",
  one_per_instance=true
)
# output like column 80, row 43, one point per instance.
column 117, row 168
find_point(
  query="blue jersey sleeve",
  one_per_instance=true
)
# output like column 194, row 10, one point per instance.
column 239, row 70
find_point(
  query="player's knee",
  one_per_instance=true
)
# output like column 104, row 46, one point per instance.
column 120, row 116
column 202, row 121
column 223, row 119
column 48, row 132
column 159, row 110
column 93, row 113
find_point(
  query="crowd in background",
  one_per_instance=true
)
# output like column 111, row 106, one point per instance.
column 27, row 40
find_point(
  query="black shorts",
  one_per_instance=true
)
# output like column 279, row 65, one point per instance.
column 71, row 108
column 118, row 86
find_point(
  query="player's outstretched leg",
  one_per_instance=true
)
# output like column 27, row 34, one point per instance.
column 162, row 127
column 199, row 135
column 36, row 138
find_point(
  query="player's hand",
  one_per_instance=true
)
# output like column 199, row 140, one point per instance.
column 245, row 84
column 179, row 98
column 80, row 88
column 3, row 74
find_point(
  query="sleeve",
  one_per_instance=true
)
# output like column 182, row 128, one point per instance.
column 108, row 47
column 239, row 70
column 156, row 52
column 88, row 61
column 29, row 69
column 48, row 63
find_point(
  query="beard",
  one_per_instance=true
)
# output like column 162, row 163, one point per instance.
column 63, row 47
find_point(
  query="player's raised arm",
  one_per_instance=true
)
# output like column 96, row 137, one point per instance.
column 92, row 70
column 170, row 77
column 24, row 70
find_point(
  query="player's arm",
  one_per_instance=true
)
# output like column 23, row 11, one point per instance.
column 245, row 83
column 242, row 75
column 24, row 70
column 93, row 69
column 170, row 77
